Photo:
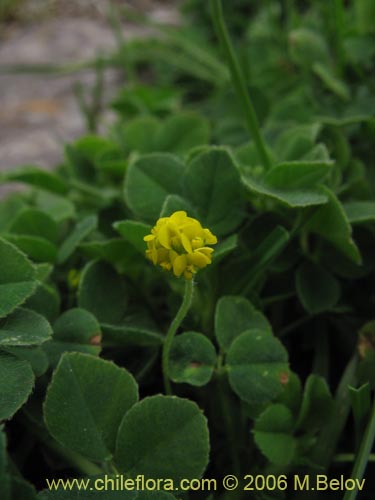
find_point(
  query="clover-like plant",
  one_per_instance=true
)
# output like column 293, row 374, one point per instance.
column 179, row 243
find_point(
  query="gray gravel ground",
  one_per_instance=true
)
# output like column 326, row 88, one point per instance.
column 38, row 113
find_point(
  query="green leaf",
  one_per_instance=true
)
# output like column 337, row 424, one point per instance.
column 58, row 207
column 293, row 199
column 308, row 46
column 364, row 16
column 43, row 271
column 140, row 133
column 128, row 334
column 146, row 99
column 192, row 359
column 149, row 180
column 83, row 228
column 360, row 211
column 206, row 183
column 37, row 177
column 33, row 355
column 85, row 403
column 82, row 155
column 291, row 395
column 163, row 437
column 366, row 349
column 34, row 222
column 102, row 292
column 16, row 384
column 22, row 489
column 331, row 223
column 318, row 290
column 75, row 330
column 225, row 247
column 45, row 301
column 3, row 446
column 295, row 142
column 24, row 328
column 270, row 247
column 10, row 206
column 273, row 434
column 298, row 174
column 133, row 232
column 110, row 161
column 174, row 203
column 182, row 132
column 317, row 404
column 38, row 249
column 115, row 251
column 361, row 405
column 4, row 477
column 332, row 83
column 17, row 278
column 78, row 326
column 233, row 316
column 257, row 363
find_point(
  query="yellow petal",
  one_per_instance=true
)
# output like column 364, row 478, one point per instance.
column 206, row 251
column 192, row 229
column 186, row 243
column 199, row 259
column 163, row 255
column 172, row 255
column 154, row 256
column 179, row 265
column 164, row 236
column 149, row 237
column 178, row 217
column 210, row 238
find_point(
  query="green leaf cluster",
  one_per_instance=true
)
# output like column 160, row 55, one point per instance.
column 279, row 345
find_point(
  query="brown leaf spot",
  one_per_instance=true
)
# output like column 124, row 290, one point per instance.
column 96, row 339
column 284, row 378
column 195, row 364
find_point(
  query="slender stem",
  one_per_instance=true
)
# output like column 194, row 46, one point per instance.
column 338, row 17
column 292, row 326
column 239, row 82
column 272, row 299
column 330, row 435
column 231, row 425
column 350, row 457
column 363, row 454
column 81, row 463
column 181, row 313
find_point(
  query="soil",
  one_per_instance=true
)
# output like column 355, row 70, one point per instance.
column 39, row 112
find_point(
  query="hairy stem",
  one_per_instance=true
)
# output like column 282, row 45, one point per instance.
column 181, row 313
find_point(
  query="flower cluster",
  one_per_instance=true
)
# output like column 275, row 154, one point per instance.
column 179, row 243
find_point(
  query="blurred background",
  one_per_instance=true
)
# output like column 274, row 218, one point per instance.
column 49, row 53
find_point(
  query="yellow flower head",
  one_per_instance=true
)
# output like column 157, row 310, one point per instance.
column 179, row 243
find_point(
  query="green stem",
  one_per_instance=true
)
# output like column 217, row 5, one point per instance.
column 338, row 17
column 350, row 457
column 239, row 82
column 363, row 454
column 292, row 326
column 273, row 299
column 115, row 19
column 81, row 463
column 181, row 313
column 230, row 424
column 330, row 435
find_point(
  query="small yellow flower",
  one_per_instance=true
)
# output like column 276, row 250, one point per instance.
column 179, row 243
column 74, row 277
